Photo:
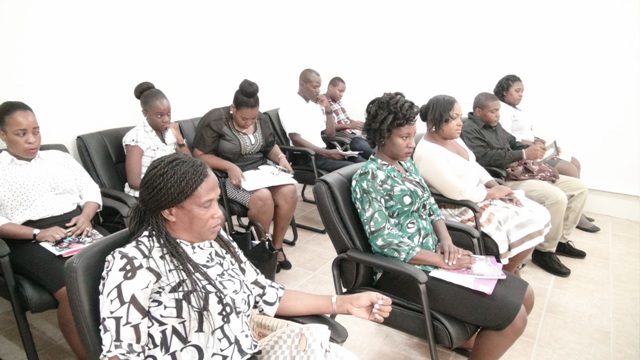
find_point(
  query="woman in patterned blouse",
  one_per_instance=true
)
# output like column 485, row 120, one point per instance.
column 182, row 290
column 403, row 222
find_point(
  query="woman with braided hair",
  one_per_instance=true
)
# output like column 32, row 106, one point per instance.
column 181, row 289
column 403, row 222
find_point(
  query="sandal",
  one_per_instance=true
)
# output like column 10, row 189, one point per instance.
column 283, row 264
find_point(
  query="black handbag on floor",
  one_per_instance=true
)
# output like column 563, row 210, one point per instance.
column 260, row 252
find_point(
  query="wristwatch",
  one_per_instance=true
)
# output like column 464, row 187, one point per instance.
column 184, row 143
column 35, row 233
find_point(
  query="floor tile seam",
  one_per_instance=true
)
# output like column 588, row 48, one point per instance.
column 542, row 318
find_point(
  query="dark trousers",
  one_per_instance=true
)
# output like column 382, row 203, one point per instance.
column 329, row 165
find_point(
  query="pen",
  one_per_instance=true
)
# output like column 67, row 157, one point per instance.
column 280, row 168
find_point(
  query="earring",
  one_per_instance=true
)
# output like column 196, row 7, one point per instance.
column 433, row 129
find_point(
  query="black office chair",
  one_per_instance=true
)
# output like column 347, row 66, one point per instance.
column 83, row 273
column 26, row 295
column 353, row 267
column 302, row 160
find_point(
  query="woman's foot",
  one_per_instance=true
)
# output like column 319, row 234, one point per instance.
column 585, row 225
column 283, row 263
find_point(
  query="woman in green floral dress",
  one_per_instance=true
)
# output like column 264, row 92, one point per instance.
column 403, row 222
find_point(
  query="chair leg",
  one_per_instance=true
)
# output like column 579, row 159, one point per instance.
column 429, row 325
column 294, row 229
column 304, row 196
column 25, row 334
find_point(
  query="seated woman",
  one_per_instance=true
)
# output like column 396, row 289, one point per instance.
column 510, row 90
column 181, row 287
column 45, row 196
column 517, row 224
column 238, row 138
column 156, row 137
column 403, row 222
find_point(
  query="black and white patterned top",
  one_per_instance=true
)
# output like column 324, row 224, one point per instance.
column 147, row 313
column 52, row 183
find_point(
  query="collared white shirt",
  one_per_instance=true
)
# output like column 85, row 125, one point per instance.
column 515, row 122
column 51, row 184
column 304, row 118
column 152, row 147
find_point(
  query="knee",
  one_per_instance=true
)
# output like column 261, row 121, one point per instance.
column 554, row 198
column 529, row 300
column 261, row 200
column 520, row 322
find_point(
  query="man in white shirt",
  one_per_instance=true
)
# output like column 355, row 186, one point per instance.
column 303, row 121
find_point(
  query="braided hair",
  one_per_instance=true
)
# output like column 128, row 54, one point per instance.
column 386, row 113
column 168, row 182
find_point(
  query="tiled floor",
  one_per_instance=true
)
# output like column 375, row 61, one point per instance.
column 593, row 314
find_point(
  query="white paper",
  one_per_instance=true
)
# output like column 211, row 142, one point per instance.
column 265, row 176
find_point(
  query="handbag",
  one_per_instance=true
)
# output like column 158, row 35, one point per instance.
column 529, row 169
column 285, row 340
column 260, row 252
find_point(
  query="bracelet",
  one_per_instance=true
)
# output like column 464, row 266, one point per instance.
column 279, row 156
column 334, row 306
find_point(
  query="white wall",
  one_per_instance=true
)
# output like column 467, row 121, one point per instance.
column 77, row 62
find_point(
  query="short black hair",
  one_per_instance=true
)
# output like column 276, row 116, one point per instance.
column 335, row 81
column 483, row 100
column 247, row 95
column 306, row 74
column 437, row 111
column 386, row 113
column 9, row 108
column 504, row 85
column 148, row 94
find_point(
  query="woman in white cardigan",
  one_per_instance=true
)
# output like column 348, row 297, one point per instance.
column 515, row 223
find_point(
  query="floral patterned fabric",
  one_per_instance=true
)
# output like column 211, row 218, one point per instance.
column 396, row 209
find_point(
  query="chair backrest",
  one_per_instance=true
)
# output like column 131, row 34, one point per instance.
column 103, row 156
column 82, row 276
column 59, row 147
column 188, row 129
column 340, row 216
column 282, row 138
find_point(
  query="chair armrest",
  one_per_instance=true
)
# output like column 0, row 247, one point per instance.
column 297, row 149
column 456, row 226
column 496, row 172
column 118, row 195
column 4, row 249
column 439, row 198
column 338, row 332
column 121, row 208
column 384, row 263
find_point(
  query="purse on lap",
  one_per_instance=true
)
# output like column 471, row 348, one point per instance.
column 529, row 169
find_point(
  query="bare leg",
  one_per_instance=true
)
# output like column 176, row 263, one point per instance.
column 66, row 324
column 493, row 344
column 285, row 199
column 515, row 261
column 261, row 208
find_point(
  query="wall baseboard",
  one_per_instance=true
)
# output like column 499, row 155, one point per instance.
column 613, row 204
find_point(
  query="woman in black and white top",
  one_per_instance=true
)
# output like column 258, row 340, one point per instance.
column 182, row 290
column 45, row 196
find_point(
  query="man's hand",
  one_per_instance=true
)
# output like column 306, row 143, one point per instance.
column 356, row 125
column 333, row 154
column 535, row 151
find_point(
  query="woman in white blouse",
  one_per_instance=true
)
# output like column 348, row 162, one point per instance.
column 181, row 288
column 156, row 137
column 515, row 223
column 45, row 196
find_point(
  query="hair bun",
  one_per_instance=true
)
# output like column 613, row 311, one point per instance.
column 248, row 88
column 142, row 88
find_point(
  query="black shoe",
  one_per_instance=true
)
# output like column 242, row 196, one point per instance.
column 591, row 229
column 550, row 263
column 283, row 264
column 569, row 250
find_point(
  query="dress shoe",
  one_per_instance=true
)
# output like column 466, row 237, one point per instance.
column 550, row 263
column 591, row 229
column 283, row 264
column 569, row 250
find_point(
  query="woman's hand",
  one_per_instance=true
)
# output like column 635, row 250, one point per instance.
column 451, row 254
column 79, row 225
column 235, row 175
column 52, row 234
column 283, row 162
column 367, row 305
column 175, row 130
column 465, row 261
